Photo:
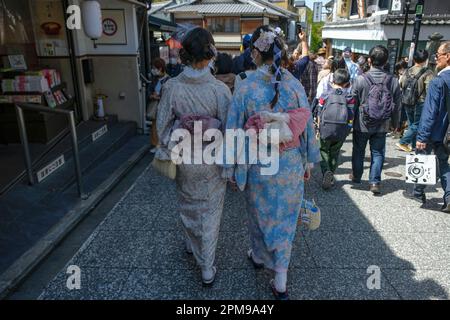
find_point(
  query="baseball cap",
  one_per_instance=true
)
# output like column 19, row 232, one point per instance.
column 321, row 51
column 348, row 49
column 246, row 40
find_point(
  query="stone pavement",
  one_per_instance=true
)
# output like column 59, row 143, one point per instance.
column 137, row 252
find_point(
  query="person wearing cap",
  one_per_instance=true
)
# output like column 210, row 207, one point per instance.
column 238, row 62
column 351, row 66
column 321, row 58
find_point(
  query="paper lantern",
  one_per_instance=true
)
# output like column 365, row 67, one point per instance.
column 92, row 19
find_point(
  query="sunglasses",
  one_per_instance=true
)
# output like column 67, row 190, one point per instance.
column 439, row 54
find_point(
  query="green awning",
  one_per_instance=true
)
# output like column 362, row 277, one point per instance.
column 158, row 24
column 364, row 46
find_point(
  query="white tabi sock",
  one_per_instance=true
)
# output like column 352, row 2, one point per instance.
column 280, row 281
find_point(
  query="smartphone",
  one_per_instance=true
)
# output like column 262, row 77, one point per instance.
column 299, row 28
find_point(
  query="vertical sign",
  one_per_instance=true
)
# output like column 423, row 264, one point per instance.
column 302, row 14
column 317, row 13
column 393, row 53
column 362, row 8
column 416, row 31
column 343, row 8
column 396, row 6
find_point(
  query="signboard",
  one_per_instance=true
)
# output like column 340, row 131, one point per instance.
column 50, row 168
column 396, row 6
column 343, row 8
column 299, row 4
column 317, row 13
column 114, row 28
column 393, row 53
column 302, row 15
column 99, row 133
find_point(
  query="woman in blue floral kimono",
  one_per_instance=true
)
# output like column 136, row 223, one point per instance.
column 273, row 200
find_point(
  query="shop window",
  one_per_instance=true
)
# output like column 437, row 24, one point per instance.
column 224, row 24
column 383, row 4
column 16, row 33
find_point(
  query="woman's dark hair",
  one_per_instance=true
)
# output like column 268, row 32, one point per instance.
column 160, row 64
column 248, row 61
column 341, row 77
column 276, row 46
column 224, row 63
column 198, row 45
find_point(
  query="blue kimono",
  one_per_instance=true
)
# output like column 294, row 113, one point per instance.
column 273, row 201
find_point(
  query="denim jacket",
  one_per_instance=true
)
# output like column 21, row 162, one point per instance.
column 434, row 119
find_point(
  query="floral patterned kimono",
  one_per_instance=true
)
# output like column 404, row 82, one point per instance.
column 273, row 201
column 201, row 187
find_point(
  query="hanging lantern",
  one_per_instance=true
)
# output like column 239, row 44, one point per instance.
column 92, row 19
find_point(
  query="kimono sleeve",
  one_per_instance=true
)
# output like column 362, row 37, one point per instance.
column 235, row 120
column 164, row 122
column 309, row 146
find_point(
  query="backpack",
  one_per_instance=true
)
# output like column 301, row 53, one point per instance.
column 380, row 103
column 411, row 94
column 334, row 117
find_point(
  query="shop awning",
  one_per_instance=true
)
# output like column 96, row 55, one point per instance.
column 364, row 46
column 162, row 25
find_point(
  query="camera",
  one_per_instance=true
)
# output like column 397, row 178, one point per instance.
column 298, row 27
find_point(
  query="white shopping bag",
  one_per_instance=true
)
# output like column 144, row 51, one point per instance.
column 420, row 169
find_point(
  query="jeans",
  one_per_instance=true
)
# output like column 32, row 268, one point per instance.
column 329, row 152
column 443, row 167
column 377, row 151
column 413, row 114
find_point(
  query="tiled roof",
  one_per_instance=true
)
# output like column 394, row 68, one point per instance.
column 436, row 19
column 224, row 8
column 159, row 5
column 442, row 19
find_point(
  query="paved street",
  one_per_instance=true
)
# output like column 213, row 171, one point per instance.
column 137, row 252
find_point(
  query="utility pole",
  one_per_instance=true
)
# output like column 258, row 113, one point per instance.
column 416, row 32
column 405, row 23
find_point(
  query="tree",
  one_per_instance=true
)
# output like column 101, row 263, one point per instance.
column 316, row 31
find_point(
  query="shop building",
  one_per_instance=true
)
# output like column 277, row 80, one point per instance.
column 43, row 63
column 362, row 24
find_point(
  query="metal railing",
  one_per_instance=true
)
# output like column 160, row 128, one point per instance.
column 26, row 148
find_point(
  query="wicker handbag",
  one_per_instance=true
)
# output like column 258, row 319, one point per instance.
column 165, row 167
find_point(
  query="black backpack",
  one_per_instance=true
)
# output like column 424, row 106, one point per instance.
column 334, row 117
column 410, row 93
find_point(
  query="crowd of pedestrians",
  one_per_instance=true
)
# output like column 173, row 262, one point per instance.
column 321, row 101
